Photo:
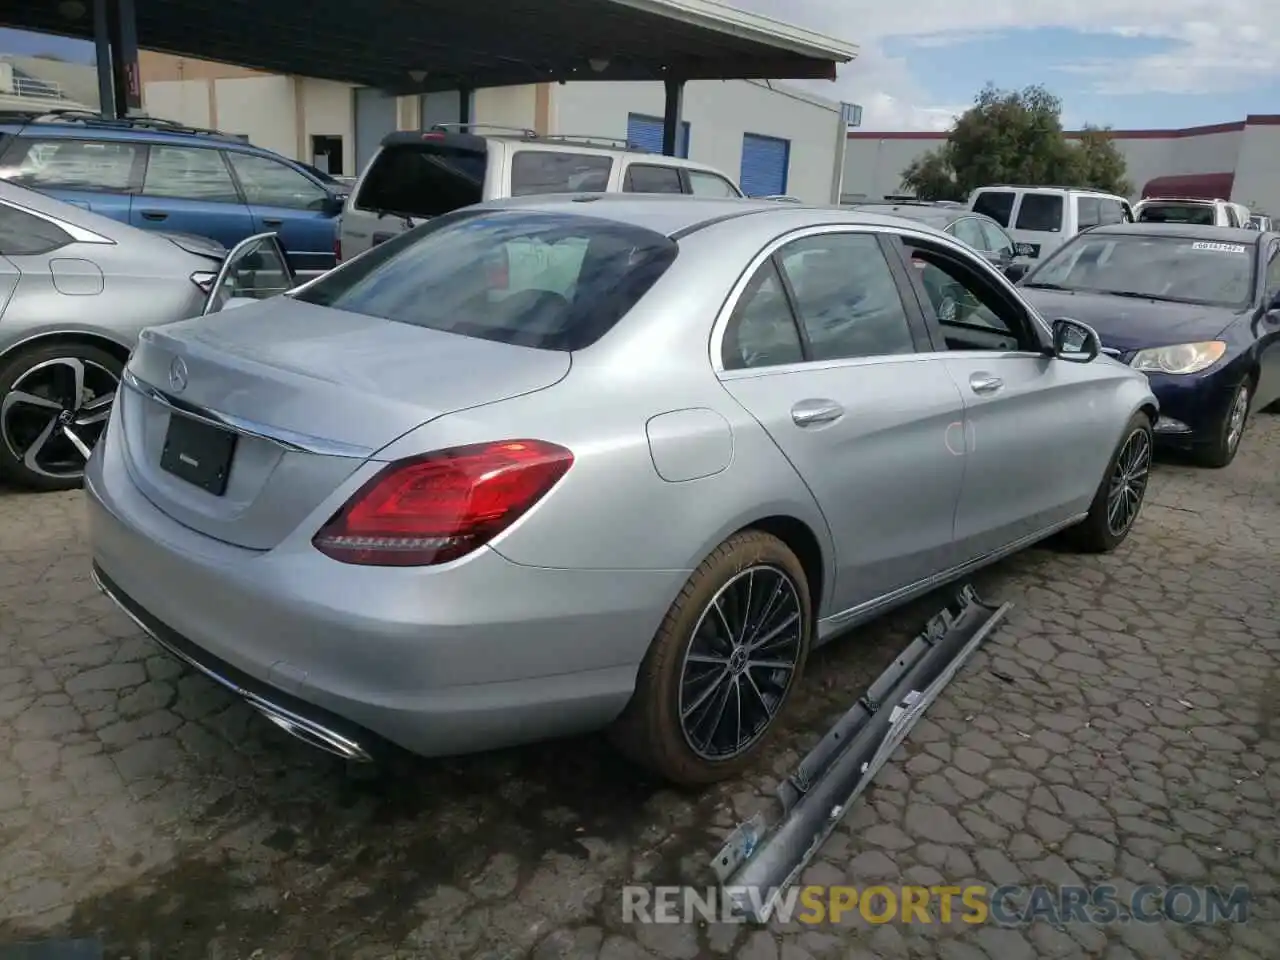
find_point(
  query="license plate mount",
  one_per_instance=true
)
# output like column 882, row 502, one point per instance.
column 199, row 453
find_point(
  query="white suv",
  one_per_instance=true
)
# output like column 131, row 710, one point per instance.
column 1209, row 213
column 418, row 175
column 1044, row 218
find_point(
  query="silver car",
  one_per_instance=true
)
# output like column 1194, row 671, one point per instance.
column 563, row 463
column 75, row 290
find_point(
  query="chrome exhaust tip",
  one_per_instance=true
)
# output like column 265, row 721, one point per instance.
column 311, row 733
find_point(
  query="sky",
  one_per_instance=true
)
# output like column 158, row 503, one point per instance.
column 1121, row 63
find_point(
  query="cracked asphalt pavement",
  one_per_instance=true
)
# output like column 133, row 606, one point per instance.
column 1123, row 727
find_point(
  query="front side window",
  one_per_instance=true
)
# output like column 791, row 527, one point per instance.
column 1041, row 212
column 1180, row 269
column 423, row 180
column 189, row 173
column 24, row 234
column 972, row 314
column 1112, row 211
column 72, row 164
column 703, row 184
column 544, row 171
column 846, row 297
column 996, row 204
column 966, row 230
column 996, row 239
column 652, row 178
column 762, row 329
column 270, row 183
column 550, row 281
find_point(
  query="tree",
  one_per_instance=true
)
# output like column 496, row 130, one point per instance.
column 1014, row 136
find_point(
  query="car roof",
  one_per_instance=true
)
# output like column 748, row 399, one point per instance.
column 1046, row 189
column 130, row 131
column 921, row 212
column 1201, row 200
column 1191, row 231
column 676, row 215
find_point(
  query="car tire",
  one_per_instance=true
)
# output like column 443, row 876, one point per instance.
column 1127, row 474
column 669, row 727
column 33, row 379
column 1222, row 449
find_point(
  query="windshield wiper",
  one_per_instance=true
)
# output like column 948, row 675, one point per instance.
column 1048, row 286
column 1132, row 295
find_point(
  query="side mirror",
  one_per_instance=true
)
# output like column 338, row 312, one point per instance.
column 1016, row 271
column 1074, row 341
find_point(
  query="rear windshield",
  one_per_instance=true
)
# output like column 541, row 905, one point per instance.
column 423, row 180
column 1198, row 213
column 551, row 281
column 1041, row 212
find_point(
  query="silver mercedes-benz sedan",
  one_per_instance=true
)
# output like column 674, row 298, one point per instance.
column 568, row 463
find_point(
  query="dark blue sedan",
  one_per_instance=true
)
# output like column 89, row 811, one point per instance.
column 1196, row 308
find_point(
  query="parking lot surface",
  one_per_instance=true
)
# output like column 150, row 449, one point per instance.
column 1123, row 727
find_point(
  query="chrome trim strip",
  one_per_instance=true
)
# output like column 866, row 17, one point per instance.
column 865, row 610
column 289, row 439
column 306, row 730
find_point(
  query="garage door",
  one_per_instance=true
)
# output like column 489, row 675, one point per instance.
column 375, row 118
column 646, row 133
column 764, row 165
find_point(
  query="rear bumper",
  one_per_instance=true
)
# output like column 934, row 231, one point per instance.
column 477, row 654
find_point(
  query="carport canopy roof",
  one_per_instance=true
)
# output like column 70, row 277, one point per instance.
column 410, row 46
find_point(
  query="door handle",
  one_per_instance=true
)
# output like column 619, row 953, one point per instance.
column 272, row 222
column 155, row 215
column 985, row 383
column 811, row 413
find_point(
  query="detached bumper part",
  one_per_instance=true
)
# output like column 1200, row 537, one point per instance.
column 756, row 864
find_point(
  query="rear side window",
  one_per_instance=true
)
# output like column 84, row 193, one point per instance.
column 652, row 178
column 703, row 184
column 543, row 171
column 423, row 180
column 24, row 234
column 551, row 281
column 1041, row 212
column 996, row 204
column 1088, row 212
column 72, row 164
column 1110, row 211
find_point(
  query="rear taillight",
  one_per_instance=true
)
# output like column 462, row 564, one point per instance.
column 441, row 506
column 204, row 280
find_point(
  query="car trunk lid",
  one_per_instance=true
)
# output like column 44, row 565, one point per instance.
column 309, row 393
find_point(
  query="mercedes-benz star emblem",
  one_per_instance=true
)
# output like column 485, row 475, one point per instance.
column 178, row 375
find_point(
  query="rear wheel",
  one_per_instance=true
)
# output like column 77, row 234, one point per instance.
column 54, row 403
column 723, row 664
column 1121, row 493
column 1222, row 449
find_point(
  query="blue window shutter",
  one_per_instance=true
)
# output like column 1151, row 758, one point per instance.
column 764, row 165
column 646, row 132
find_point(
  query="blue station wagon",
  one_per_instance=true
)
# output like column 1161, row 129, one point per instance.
column 159, row 175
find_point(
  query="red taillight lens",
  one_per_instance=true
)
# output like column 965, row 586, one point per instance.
column 439, row 507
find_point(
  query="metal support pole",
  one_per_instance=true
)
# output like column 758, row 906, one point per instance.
column 465, row 97
column 671, row 115
column 123, row 30
column 102, row 54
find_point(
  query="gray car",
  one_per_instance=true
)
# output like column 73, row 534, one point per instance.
column 567, row 463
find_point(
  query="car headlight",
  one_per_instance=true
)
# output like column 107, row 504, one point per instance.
column 1179, row 358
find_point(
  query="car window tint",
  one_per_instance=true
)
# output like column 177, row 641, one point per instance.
column 73, row 165
column 550, row 281
column 703, row 184
column 1041, row 212
column 966, row 230
column 423, row 180
column 996, row 204
column 24, row 235
column 1088, row 212
column 1111, row 211
column 544, row 171
column 188, row 173
column 972, row 316
column 762, row 329
column 846, row 297
column 270, row 183
column 996, row 239
column 652, row 178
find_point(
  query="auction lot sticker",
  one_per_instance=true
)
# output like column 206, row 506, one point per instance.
column 1219, row 247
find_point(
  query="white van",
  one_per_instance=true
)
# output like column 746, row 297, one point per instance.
column 418, row 175
column 1044, row 218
